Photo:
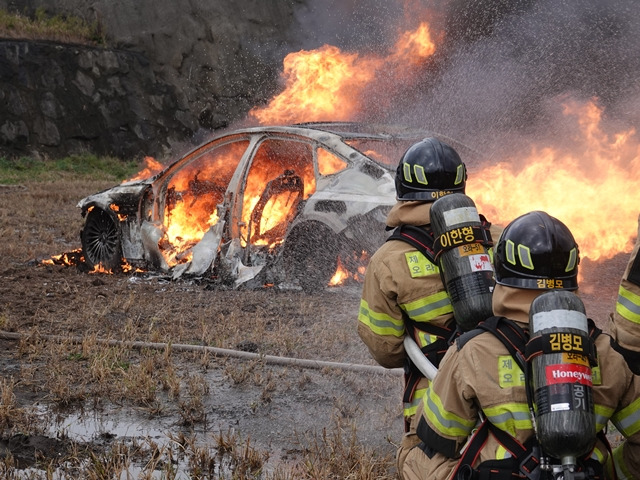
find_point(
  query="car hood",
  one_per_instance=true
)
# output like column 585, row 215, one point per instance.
column 114, row 194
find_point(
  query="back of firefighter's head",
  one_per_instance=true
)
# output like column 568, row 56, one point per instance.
column 537, row 252
column 428, row 170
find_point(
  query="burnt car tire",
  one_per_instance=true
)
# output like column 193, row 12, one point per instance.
column 310, row 256
column 100, row 239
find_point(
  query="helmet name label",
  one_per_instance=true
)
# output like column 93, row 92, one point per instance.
column 440, row 193
column 549, row 283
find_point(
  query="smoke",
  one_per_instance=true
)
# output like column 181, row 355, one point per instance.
column 352, row 25
column 503, row 80
column 503, row 67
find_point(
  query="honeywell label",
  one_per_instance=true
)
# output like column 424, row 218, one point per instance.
column 568, row 373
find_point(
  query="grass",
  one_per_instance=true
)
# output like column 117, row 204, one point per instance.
column 59, row 28
column 14, row 171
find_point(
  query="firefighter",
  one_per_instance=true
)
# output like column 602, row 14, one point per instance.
column 625, row 325
column 403, row 293
column 480, row 378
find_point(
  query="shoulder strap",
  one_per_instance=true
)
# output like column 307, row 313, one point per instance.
column 420, row 238
column 507, row 331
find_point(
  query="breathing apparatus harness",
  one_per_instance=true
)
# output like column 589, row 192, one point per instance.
column 423, row 239
column 528, row 460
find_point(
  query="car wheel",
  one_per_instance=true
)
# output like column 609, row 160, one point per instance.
column 310, row 255
column 100, row 239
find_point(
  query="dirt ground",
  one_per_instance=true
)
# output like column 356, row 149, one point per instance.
column 62, row 386
column 282, row 410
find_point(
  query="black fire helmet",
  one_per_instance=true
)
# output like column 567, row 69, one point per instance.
column 537, row 251
column 428, row 170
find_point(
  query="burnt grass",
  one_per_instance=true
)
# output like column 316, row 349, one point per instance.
column 66, row 357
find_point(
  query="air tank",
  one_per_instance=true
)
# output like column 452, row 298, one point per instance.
column 464, row 261
column 562, row 375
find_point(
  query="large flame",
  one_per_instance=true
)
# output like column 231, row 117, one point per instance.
column 592, row 187
column 328, row 83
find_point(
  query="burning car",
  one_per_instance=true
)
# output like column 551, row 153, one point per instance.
column 273, row 203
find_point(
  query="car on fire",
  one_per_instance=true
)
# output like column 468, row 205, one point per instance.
column 271, row 204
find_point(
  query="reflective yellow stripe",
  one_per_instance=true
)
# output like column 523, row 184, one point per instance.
column 628, row 305
column 427, row 308
column 380, row 323
column 502, row 453
column 425, row 338
column 510, row 417
column 444, row 422
column 621, row 468
column 598, row 455
column 627, row 420
column 410, row 408
column 603, row 414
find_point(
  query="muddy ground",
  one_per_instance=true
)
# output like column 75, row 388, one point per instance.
column 64, row 389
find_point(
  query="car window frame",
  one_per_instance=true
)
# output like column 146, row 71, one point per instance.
column 160, row 185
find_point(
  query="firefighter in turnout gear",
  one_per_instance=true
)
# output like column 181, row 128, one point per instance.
column 403, row 293
column 625, row 325
column 477, row 417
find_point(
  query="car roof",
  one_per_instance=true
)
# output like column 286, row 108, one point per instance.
column 347, row 130
column 355, row 131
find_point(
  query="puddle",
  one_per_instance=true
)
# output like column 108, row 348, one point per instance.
column 94, row 427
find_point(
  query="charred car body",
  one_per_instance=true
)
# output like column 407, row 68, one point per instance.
column 273, row 204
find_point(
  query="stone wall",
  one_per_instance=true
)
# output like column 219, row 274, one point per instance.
column 60, row 99
column 174, row 70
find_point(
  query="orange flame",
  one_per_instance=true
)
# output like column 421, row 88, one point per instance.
column 327, row 83
column 66, row 259
column 101, row 269
column 116, row 209
column 354, row 270
column 591, row 186
column 152, row 166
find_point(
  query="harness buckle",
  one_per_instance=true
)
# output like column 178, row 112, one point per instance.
column 530, row 465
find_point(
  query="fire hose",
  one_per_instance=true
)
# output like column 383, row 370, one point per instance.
column 221, row 352
column 427, row 368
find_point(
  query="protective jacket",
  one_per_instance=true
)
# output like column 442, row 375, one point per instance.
column 625, row 326
column 482, row 377
column 402, row 287
column 403, row 294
